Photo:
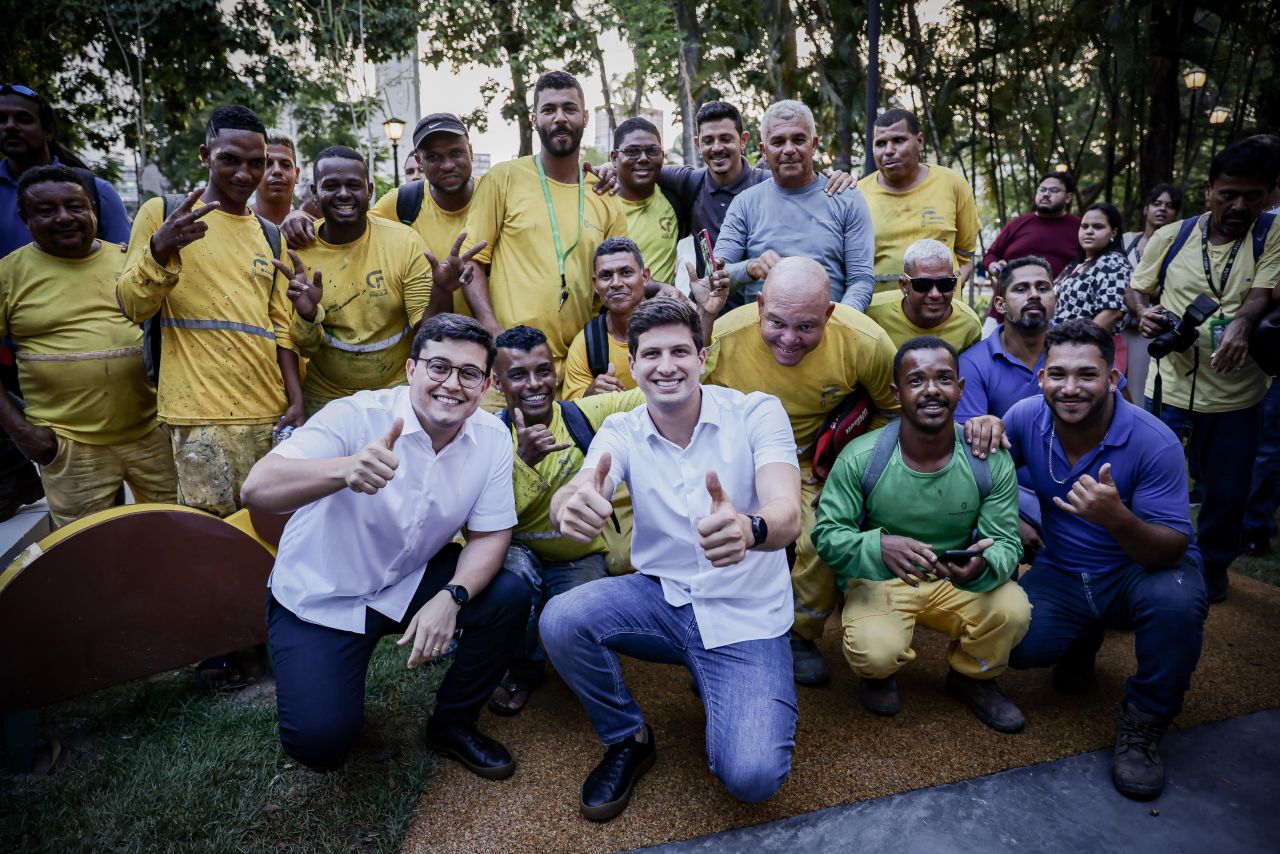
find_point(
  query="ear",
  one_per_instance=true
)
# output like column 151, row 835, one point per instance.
column 760, row 303
column 831, row 309
column 904, row 283
column 204, row 155
column 897, row 398
column 746, row 136
column 646, row 274
column 998, row 302
column 613, row 158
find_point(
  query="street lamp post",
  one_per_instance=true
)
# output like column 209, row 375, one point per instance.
column 394, row 129
column 1194, row 78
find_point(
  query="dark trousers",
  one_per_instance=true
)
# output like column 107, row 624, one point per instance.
column 1165, row 608
column 320, row 671
column 1259, row 518
column 1221, row 450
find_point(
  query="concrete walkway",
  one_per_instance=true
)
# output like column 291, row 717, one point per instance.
column 1223, row 783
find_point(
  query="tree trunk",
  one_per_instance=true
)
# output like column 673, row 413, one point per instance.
column 512, row 42
column 598, row 55
column 913, row 30
column 1163, row 108
column 690, row 61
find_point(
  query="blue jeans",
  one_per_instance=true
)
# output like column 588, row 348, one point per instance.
column 320, row 671
column 1165, row 608
column 1221, row 447
column 747, row 688
column 546, row 579
column 1264, row 495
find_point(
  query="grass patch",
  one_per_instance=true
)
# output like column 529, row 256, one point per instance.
column 164, row 765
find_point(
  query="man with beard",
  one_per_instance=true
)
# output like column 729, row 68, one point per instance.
column 911, row 201
column 897, row 522
column 794, row 215
column 717, row 497
column 228, row 367
column 359, row 290
column 1049, row 230
column 541, row 224
column 274, row 199
column 1212, row 392
column 436, row 209
column 1118, row 540
column 924, row 303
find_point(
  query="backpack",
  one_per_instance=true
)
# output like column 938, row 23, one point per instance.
column 596, row 333
column 409, row 199
column 1261, row 227
column 151, row 335
column 580, row 431
column 846, row 422
column 887, row 443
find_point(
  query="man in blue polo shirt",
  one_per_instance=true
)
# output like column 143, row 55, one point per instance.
column 1118, row 540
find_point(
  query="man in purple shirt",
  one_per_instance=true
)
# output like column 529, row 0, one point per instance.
column 1119, row 549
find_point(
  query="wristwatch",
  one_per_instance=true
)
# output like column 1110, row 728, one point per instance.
column 759, row 530
column 459, row 593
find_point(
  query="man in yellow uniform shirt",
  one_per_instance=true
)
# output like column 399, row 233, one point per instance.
column 226, row 357
column 652, row 221
column 90, row 417
column 910, row 200
column 925, row 302
column 621, row 278
column 810, row 353
column 550, row 443
column 359, row 290
column 542, row 223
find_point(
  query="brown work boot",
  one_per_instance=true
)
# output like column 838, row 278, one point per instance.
column 880, row 696
column 983, row 696
column 1136, row 769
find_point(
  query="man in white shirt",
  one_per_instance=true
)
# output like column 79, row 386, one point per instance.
column 379, row 483
column 711, row 591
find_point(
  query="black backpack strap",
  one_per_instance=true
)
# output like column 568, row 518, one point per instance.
column 683, row 227
column 596, row 333
column 152, row 336
column 504, row 416
column 409, row 201
column 980, row 468
column 886, row 444
column 580, row 429
column 1261, row 227
column 271, row 231
column 1184, row 233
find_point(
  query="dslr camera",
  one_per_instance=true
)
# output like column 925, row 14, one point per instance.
column 1183, row 330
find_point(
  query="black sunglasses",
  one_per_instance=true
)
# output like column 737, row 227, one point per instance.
column 944, row 284
column 6, row 88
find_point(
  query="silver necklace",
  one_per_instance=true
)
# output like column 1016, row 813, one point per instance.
column 1053, row 433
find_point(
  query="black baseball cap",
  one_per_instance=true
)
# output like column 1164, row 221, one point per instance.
column 438, row 123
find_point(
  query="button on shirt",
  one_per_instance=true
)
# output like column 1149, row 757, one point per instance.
column 350, row 551
column 1147, row 465
column 750, row 600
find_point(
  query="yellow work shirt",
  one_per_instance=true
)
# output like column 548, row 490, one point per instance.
column 577, row 370
column 853, row 351
column 535, row 486
column 940, row 207
column 509, row 213
column 1184, row 281
column 437, row 227
column 961, row 330
column 224, row 311
column 376, row 290
column 79, row 359
column 652, row 224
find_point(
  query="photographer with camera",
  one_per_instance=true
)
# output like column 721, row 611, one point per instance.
column 1212, row 277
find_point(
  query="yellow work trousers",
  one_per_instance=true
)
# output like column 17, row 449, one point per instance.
column 880, row 620
column 84, row 479
column 213, row 460
column 813, row 584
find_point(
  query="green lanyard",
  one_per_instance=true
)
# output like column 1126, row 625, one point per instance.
column 562, row 254
column 1208, row 267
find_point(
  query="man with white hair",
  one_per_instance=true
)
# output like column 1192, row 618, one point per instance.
column 924, row 303
column 793, row 215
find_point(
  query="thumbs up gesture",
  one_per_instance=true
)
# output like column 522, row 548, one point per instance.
column 725, row 533
column 534, row 441
column 582, row 516
column 605, row 383
column 1096, row 501
column 376, row 463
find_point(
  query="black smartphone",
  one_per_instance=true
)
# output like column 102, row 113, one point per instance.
column 958, row 555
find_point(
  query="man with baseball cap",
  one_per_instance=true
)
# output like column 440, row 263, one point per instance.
column 436, row 208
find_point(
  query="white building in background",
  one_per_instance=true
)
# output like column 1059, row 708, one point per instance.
column 604, row 139
column 480, row 164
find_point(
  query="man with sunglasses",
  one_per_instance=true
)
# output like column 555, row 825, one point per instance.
column 378, row 483
column 924, row 303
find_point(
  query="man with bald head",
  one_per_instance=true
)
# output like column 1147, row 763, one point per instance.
column 924, row 301
column 797, row 345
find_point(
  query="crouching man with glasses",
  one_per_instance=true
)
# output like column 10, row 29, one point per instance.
column 924, row 303
column 378, row 484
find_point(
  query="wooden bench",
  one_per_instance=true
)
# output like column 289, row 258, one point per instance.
column 125, row 593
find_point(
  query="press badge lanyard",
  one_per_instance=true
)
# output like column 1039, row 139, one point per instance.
column 562, row 254
column 1208, row 268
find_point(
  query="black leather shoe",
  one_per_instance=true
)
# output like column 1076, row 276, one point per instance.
column 480, row 754
column 607, row 790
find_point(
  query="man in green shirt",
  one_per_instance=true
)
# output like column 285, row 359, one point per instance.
column 894, row 510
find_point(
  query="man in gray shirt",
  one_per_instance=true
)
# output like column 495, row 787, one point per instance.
column 793, row 215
